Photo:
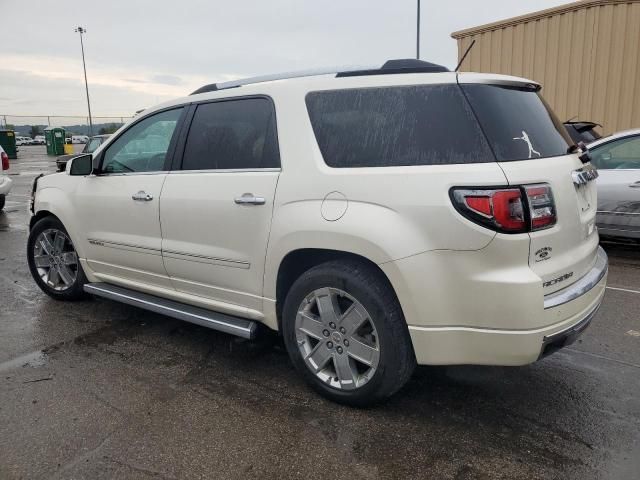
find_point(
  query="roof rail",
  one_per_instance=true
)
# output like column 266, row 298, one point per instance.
column 410, row 65
column 275, row 76
column 406, row 65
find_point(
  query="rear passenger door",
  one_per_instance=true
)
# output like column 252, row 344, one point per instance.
column 216, row 205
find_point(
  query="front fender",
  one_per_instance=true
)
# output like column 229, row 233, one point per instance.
column 57, row 202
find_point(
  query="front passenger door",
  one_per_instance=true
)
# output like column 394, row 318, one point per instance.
column 118, row 209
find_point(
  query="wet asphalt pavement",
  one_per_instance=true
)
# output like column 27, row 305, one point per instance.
column 99, row 390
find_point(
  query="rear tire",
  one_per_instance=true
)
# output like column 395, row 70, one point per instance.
column 1, row 202
column 345, row 333
column 53, row 261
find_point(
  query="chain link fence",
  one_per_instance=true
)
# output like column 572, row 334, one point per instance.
column 74, row 125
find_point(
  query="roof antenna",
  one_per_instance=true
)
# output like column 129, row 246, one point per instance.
column 464, row 56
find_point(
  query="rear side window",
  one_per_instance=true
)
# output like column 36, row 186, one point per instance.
column 232, row 134
column 518, row 123
column 396, row 126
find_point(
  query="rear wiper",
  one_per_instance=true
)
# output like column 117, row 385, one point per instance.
column 572, row 148
column 584, row 156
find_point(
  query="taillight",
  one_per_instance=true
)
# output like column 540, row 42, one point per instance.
column 5, row 161
column 541, row 206
column 507, row 210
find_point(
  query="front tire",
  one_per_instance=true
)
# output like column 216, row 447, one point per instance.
column 53, row 261
column 345, row 332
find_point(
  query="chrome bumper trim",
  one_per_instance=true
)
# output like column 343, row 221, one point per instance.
column 582, row 286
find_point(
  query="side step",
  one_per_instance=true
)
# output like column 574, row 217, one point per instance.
column 217, row 321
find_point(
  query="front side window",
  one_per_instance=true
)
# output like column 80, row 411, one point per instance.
column 517, row 121
column 396, row 126
column 232, row 134
column 143, row 147
column 619, row 154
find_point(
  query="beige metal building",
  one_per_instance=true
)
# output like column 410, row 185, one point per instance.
column 586, row 54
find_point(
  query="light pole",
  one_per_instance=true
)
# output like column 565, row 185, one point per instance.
column 81, row 31
column 418, row 33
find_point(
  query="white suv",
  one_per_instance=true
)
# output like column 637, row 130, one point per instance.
column 376, row 218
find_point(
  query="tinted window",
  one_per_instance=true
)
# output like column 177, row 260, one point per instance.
column 518, row 123
column 622, row 154
column 232, row 134
column 395, row 126
column 144, row 146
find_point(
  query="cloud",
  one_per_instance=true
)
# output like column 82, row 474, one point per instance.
column 156, row 49
column 167, row 80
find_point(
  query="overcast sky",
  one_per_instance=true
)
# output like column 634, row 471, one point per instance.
column 143, row 52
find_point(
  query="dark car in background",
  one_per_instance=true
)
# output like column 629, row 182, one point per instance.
column 582, row 131
column 89, row 147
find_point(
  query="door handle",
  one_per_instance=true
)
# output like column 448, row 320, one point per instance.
column 141, row 196
column 249, row 199
column 635, row 185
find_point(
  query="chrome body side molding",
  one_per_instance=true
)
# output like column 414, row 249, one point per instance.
column 240, row 327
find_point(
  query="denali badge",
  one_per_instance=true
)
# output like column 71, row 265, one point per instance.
column 584, row 175
column 543, row 254
column 558, row 280
column 525, row 138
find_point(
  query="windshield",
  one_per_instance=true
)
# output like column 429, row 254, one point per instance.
column 517, row 122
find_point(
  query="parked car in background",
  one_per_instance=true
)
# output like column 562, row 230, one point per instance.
column 582, row 131
column 5, row 181
column 617, row 158
column 39, row 140
column 379, row 220
column 79, row 139
column 21, row 140
column 91, row 145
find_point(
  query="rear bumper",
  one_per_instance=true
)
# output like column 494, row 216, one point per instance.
column 5, row 185
column 556, row 341
column 571, row 310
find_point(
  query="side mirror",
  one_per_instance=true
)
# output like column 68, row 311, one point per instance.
column 82, row 165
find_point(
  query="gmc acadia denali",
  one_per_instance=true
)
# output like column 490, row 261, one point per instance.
column 377, row 219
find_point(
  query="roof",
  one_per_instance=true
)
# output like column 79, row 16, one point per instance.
column 530, row 17
column 615, row 136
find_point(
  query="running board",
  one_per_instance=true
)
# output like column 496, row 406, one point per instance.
column 217, row 321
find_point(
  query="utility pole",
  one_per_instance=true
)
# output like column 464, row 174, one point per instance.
column 81, row 31
column 418, row 33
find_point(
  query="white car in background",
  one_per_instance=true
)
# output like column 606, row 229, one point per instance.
column 617, row 158
column 5, row 181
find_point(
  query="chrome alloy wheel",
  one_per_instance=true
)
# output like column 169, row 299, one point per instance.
column 337, row 338
column 55, row 259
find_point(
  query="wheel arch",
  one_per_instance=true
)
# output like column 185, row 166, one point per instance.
column 39, row 215
column 297, row 262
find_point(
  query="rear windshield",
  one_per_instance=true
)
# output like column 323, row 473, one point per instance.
column 518, row 123
column 396, row 126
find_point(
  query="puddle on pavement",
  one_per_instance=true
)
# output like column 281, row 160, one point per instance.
column 29, row 360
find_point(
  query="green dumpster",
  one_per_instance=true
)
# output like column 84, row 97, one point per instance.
column 54, row 137
column 8, row 142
